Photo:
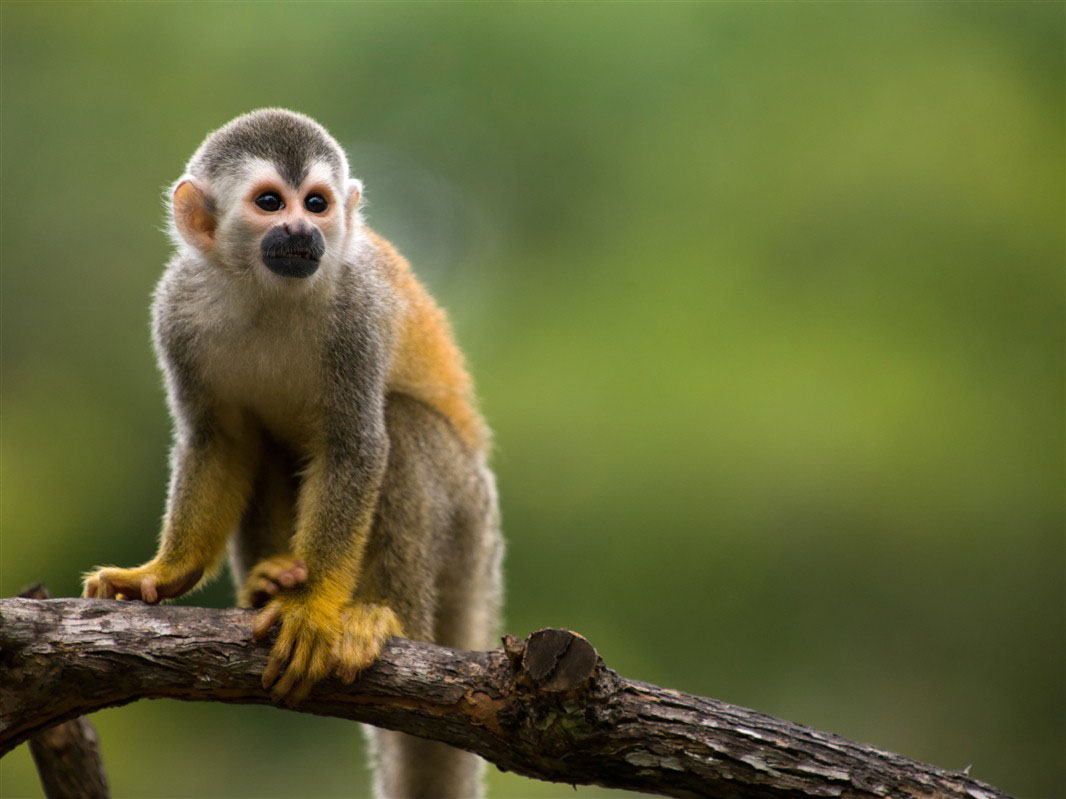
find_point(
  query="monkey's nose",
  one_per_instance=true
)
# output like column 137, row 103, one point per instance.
column 292, row 249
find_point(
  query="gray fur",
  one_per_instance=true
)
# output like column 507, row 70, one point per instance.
column 295, row 380
column 289, row 141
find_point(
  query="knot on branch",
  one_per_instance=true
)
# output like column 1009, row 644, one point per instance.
column 556, row 676
column 552, row 661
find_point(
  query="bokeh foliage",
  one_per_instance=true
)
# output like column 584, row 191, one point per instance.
column 764, row 303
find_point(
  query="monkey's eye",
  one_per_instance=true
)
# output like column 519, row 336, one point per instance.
column 269, row 201
column 316, row 203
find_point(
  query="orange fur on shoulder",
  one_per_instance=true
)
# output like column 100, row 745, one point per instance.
column 426, row 363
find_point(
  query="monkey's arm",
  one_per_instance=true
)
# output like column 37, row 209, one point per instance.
column 322, row 629
column 211, row 478
column 337, row 501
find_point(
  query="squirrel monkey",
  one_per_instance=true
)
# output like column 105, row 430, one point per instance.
column 324, row 429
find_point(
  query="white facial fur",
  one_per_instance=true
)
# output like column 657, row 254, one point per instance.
column 240, row 226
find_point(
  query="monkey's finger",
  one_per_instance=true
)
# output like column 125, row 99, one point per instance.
column 312, row 659
column 296, row 670
column 274, row 665
column 284, row 572
column 285, row 579
column 272, row 670
column 262, row 587
column 355, row 654
column 148, row 589
column 295, row 574
column 346, row 673
column 118, row 584
column 104, row 588
column 283, row 687
column 299, row 692
column 279, row 655
column 265, row 620
column 262, row 590
column 344, row 668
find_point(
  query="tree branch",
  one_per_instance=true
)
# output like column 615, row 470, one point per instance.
column 547, row 708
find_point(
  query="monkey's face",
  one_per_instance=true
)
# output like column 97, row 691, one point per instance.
column 256, row 221
column 291, row 224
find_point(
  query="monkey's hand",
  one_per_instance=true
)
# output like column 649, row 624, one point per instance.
column 310, row 628
column 270, row 576
column 318, row 637
column 151, row 582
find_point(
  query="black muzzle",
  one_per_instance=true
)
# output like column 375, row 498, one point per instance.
column 293, row 252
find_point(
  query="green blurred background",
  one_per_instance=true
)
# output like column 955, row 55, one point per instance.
column 764, row 303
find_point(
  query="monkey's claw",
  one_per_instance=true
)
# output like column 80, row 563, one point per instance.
column 149, row 583
column 270, row 576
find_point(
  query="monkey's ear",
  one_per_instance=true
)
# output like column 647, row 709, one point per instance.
column 355, row 195
column 192, row 215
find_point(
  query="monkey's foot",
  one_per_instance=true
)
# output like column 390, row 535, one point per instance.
column 150, row 582
column 365, row 629
column 268, row 577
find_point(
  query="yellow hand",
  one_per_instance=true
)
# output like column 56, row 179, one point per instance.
column 151, row 582
column 310, row 625
column 319, row 637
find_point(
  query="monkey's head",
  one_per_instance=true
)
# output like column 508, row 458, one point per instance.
column 267, row 194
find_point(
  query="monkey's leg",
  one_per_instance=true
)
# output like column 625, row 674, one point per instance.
column 468, row 614
column 468, row 601
column 261, row 553
column 427, row 556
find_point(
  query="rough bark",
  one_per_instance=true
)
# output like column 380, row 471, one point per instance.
column 67, row 755
column 547, row 707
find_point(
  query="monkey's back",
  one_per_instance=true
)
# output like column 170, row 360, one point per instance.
column 426, row 362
